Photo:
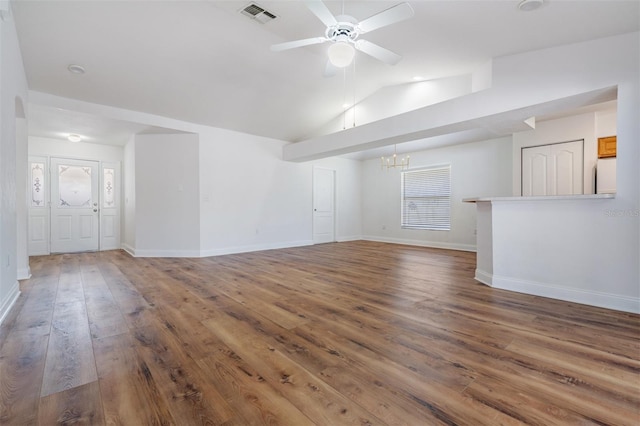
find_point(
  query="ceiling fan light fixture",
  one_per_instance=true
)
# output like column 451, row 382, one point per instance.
column 341, row 53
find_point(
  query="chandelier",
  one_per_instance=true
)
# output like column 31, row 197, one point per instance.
column 393, row 162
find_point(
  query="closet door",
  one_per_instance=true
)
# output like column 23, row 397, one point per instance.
column 555, row 169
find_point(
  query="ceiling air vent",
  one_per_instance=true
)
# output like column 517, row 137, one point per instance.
column 257, row 13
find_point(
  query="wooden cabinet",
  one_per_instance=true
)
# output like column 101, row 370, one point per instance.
column 607, row 147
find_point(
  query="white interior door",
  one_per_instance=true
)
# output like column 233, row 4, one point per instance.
column 553, row 169
column 323, row 205
column 74, row 205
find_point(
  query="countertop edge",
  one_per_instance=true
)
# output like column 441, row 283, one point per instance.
column 542, row 198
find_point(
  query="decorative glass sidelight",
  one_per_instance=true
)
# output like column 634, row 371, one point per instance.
column 74, row 186
column 37, row 185
column 108, row 190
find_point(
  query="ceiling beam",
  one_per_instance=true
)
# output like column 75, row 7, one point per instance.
column 492, row 111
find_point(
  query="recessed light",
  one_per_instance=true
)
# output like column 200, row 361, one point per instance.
column 418, row 78
column 74, row 138
column 529, row 5
column 346, row 106
column 76, row 69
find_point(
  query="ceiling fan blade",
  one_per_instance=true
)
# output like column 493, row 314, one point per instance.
column 322, row 12
column 330, row 70
column 390, row 16
column 380, row 53
column 297, row 43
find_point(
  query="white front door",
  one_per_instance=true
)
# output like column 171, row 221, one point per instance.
column 74, row 205
column 323, row 205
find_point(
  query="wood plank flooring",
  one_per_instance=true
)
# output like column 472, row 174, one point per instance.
column 357, row 333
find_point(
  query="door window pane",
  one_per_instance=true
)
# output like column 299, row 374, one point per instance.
column 37, row 185
column 109, row 187
column 74, row 183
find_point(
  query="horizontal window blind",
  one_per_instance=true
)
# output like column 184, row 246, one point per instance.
column 426, row 198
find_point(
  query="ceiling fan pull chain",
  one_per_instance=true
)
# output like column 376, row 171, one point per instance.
column 354, row 92
column 344, row 99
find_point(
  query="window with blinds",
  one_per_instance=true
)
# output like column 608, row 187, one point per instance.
column 426, row 198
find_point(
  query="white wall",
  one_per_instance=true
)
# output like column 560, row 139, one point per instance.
column 167, row 190
column 252, row 200
column 477, row 169
column 129, row 196
column 397, row 99
column 13, row 96
column 22, row 256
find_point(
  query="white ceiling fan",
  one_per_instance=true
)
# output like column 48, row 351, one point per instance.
column 343, row 32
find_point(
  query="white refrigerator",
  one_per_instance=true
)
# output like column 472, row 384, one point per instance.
column 606, row 176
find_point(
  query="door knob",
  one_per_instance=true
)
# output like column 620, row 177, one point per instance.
column 95, row 210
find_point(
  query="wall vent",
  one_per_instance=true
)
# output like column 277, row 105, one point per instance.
column 257, row 13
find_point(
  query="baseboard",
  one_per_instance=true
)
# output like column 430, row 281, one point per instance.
column 289, row 244
column 484, row 277
column 585, row 297
column 159, row 253
column 164, row 253
column 213, row 252
column 255, row 247
column 10, row 300
column 24, row 273
column 128, row 249
column 420, row 243
column 349, row 238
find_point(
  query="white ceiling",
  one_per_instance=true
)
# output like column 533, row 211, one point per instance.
column 204, row 62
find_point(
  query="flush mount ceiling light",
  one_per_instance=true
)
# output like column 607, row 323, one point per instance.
column 76, row 69
column 74, row 138
column 529, row 5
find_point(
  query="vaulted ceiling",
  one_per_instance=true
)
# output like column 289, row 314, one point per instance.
column 204, row 62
